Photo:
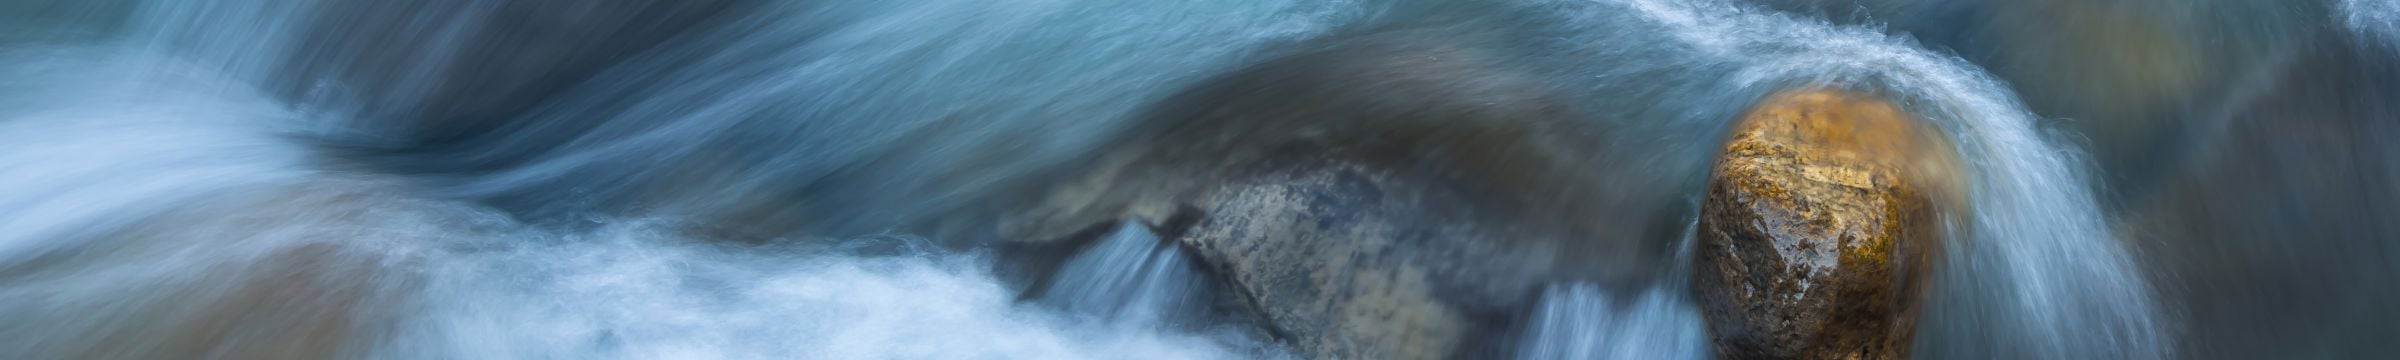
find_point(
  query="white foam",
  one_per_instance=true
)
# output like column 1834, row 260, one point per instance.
column 145, row 209
column 630, row 292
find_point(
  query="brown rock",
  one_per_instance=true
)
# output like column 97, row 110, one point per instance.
column 1817, row 228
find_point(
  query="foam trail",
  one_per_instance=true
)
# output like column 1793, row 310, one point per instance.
column 155, row 208
column 635, row 292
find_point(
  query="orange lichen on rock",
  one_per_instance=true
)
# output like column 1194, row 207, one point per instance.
column 1818, row 225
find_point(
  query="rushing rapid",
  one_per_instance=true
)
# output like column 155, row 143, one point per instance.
column 839, row 180
column 197, row 224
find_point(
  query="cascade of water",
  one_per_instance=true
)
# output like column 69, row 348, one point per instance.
column 1128, row 276
column 1583, row 321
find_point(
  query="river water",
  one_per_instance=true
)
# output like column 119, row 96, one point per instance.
column 750, row 179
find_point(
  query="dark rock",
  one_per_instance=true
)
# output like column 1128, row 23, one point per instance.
column 1419, row 105
column 1351, row 264
column 1394, row 195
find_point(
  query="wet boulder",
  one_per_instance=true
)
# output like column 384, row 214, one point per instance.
column 1818, row 227
column 1350, row 262
column 1396, row 195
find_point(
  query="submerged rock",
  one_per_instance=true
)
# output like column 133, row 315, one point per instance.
column 1398, row 194
column 1816, row 233
column 301, row 271
column 1348, row 263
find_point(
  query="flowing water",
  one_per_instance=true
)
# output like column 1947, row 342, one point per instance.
column 2376, row 18
column 147, row 230
column 1130, row 276
column 2031, row 271
column 1584, row 321
column 252, row 179
column 164, row 201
